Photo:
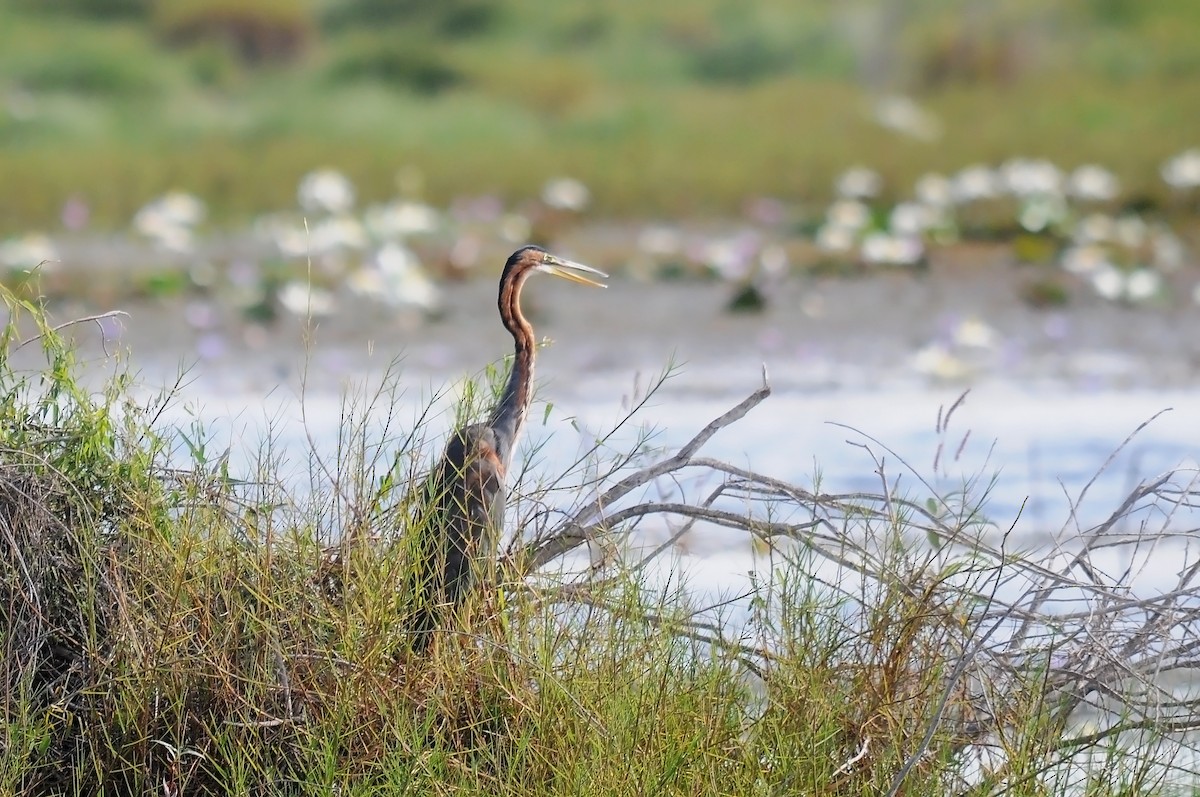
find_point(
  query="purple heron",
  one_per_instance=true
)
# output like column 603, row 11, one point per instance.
column 468, row 486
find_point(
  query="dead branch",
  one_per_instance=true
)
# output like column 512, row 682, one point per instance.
column 1092, row 639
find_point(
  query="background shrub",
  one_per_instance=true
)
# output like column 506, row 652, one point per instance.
column 453, row 18
column 259, row 31
column 96, row 9
column 420, row 69
column 90, row 70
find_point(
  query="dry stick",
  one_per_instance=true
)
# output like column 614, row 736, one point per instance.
column 1081, row 559
column 696, row 630
column 1092, row 679
column 854, row 502
column 572, row 533
column 859, row 756
column 641, row 399
column 1142, row 491
column 1148, row 724
column 840, row 501
column 1184, row 580
column 1112, row 457
column 1115, row 605
column 911, row 470
column 97, row 318
column 837, row 502
column 636, row 407
column 684, row 529
column 562, row 543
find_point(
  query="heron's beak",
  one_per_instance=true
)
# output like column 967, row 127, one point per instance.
column 576, row 272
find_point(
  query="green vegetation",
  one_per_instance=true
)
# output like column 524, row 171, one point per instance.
column 679, row 108
column 167, row 627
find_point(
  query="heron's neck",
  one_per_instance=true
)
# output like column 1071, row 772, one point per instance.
column 509, row 416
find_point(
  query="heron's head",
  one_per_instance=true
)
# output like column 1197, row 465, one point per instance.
column 532, row 259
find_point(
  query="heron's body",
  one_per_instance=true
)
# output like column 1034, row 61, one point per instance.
column 468, row 488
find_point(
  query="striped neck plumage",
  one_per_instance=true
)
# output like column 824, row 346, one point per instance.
column 509, row 416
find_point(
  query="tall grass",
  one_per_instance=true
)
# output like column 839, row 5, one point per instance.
column 168, row 627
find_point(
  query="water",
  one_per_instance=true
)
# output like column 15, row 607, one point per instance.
column 1038, row 446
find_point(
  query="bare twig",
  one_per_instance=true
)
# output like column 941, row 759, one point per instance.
column 82, row 320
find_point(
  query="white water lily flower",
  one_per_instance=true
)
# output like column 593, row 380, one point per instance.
column 169, row 236
column 1139, row 285
column 1108, row 282
column 835, row 239
column 170, row 219
column 401, row 218
column 911, row 218
column 902, row 114
column 290, row 239
column 1093, row 183
column 731, row 257
column 1142, row 285
column 1027, row 177
column 396, row 259
column 515, row 227
column 326, row 191
column 303, row 299
column 1182, row 172
column 877, row 248
column 974, row 333
column 28, row 251
column 880, row 248
column 937, row 361
column 1041, row 212
column 935, row 190
column 182, row 208
column 1167, row 249
column 773, row 260
column 849, row 213
column 858, row 182
column 397, row 278
column 975, row 183
column 566, row 193
column 660, row 241
column 1095, row 228
column 1085, row 259
column 1131, row 231
column 336, row 234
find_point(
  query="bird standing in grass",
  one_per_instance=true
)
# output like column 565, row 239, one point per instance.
column 467, row 490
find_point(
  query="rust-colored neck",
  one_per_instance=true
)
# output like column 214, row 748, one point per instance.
column 509, row 415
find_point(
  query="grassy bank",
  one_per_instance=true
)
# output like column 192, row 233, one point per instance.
column 169, row 627
column 685, row 109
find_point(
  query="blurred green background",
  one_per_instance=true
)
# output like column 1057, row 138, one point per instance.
column 667, row 108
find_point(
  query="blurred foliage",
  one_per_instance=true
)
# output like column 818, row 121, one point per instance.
column 741, row 60
column 214, row 65
column 669, row 108
column 89, row 70
column 258, row 31
column 415, row 66
column 1029, row 248
column 96, row 9
column 449, row 18
column 1118, row 13
column 1046, row 291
